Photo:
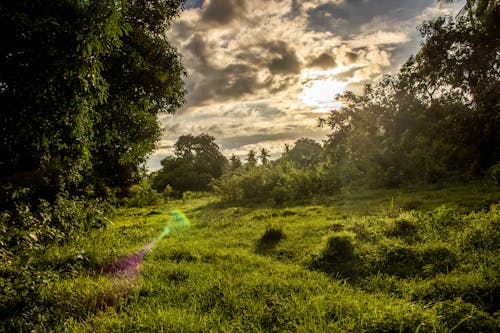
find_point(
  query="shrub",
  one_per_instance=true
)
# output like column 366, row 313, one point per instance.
column 438, row 259
column 483, row 233
column 47, row 223
column 141, row 194
column 409, row 261
column 403, row 229
column 168, row 192
column 338, row 256
column 279, row 183
column 400, row 260
column 26, row 231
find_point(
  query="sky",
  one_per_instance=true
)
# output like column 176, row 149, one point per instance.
column 261, row 72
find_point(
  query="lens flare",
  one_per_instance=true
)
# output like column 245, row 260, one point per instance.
column 177, row 222
column 128, row 266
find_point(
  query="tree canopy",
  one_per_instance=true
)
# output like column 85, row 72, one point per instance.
column 81, row 84
column 196, row 162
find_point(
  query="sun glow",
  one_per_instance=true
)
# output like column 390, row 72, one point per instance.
column 320, row 88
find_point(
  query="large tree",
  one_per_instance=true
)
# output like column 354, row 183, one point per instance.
column 463, row 53
column 144, row 77
column 196, row 163
column 81, row 84
column 305, row 152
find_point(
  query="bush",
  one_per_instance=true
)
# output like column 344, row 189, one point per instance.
column 399, row 260
column 278, row 184
column 141, row 195
column 403, row 229
column 338, row 257
column 26, row 231
column 408, row 261
column 32, row 228
column 465, row 317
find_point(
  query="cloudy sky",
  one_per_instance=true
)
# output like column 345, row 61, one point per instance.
column 260, row 72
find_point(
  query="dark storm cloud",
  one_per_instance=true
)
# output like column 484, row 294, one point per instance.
column 210, row 83
column 216, row 130
column 207, row 82
column 283, row 58
column 324, row 61
column 223, row 11
column 277, row 56
column 222, row 84
column 295, row 10
column 346, row 18
column 182, row 30
column 172, row 129
column 198, row 49
column 352, row 56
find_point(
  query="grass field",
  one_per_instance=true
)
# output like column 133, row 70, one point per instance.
column 403, row 260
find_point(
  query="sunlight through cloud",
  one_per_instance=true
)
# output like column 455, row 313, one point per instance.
column 320, row 94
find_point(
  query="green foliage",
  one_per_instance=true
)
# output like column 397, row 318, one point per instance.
column 495, row 172
column 465, row 317
column 235, row 163
column 304, row 153
column 26, row 233
column 140, row 195
column 271, row 237
column 35, row 227
column 278, row 182
column 338, row 257
column 82, row 84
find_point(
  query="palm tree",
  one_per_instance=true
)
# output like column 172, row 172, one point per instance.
column 251, row 160
column 264, row 154
column 234, row 162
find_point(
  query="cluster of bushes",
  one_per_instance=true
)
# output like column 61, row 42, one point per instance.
column 276, row 183
column 428, row 256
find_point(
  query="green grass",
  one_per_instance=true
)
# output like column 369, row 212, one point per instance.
column 376, row 261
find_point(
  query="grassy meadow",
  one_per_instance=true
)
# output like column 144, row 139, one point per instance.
column 402, row 260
